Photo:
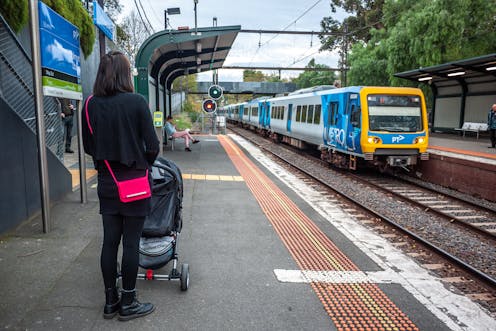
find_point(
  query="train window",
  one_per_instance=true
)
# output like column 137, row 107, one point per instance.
column 254, row 111
column 395, row 113
column 316, row 117
column 310, row 114
column 355, row 116
column 304, row 113
column 333, row 113
column 298, row 114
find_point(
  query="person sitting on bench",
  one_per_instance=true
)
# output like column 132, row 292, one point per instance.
column 170, row 128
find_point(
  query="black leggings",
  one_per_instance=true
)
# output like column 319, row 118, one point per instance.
column 115, row 226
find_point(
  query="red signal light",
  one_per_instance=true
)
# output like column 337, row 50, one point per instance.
column 209, row 106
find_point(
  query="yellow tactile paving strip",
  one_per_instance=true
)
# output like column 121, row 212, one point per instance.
column 213, row 177
column 90, row 173
column 350, row 306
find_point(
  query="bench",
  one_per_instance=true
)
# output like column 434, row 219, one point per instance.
column 473, row 127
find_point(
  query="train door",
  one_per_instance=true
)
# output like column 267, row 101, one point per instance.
column 267, row 115
column 261, row 114
column 354, row 126
column 290, row 114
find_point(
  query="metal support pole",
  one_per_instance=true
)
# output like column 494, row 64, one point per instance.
column 101, row 36
column 82, row 159
column 40, row 115
column 196, row 20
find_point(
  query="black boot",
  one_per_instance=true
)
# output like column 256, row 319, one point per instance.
column 111, row 303
column 132, row 308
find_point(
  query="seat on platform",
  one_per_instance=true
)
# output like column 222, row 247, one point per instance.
column 473, row 127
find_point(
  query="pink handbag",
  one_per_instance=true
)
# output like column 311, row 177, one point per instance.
column 131, row 189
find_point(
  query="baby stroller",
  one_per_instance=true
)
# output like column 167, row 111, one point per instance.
column 158, row 243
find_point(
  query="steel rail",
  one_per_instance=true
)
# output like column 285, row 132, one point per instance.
column 467, row 267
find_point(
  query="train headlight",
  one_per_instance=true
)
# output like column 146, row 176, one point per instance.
column 419, row 140
column 374, row 140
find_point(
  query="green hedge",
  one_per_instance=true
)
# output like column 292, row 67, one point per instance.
column 17, row 14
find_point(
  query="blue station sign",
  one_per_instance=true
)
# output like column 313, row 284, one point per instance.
column 60, row 56
column 102, row 21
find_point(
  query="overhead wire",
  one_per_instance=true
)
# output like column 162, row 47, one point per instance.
column 292, row 22
column 288, row 26
column 155, row 16
column 141, row 17
column 146, row 17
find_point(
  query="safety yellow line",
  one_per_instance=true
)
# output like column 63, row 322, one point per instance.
column 213, row 177
column 90, row 173
column 252, row 171
column 290, row 212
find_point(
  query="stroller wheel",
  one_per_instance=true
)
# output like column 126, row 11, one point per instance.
column 184, row 277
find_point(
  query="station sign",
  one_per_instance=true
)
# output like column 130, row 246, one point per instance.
column 60, row 55
column 103, row 22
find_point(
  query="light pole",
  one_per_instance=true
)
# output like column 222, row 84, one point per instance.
column 170, row 11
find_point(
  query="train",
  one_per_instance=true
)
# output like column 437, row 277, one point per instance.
column 381, row 127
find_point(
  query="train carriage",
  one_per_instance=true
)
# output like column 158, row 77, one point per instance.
column 379, row 126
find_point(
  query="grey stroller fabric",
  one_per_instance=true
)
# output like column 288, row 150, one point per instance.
column 158, row 239
column 167, row 197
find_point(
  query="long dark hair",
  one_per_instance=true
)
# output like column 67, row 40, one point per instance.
column 114, row 75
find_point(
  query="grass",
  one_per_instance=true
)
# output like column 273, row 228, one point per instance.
column 182, row 121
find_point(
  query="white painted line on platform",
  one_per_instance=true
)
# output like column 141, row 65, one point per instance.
column 456, row 311
column 334, row 277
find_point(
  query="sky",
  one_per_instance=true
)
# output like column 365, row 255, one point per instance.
column 281, row 50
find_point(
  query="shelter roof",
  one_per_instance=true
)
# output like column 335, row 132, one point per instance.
column 172, row 53
column 480, row 69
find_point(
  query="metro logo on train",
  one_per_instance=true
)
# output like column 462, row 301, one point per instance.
column 353, row 126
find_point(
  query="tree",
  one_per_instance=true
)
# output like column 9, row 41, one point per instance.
column 369, row 62
column 314, row 78
column 113, row 8
column 422, row 33
column 365, row 15
column 132, row 37
column 435, row 32
column 253, row 76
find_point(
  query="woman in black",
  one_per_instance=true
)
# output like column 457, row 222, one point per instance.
column 123, row 134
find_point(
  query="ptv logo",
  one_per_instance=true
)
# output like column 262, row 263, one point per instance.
column 398, row 139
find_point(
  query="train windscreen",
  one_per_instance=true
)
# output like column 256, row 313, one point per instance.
column 394, row 113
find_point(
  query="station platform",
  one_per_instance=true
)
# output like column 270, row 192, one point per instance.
column 464, row 164
column 265, row 251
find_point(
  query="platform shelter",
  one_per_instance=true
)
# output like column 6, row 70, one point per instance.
column 463, row 90
column 169, row 54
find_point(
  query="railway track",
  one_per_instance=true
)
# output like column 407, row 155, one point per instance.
column 458, row 231
column 473, row 216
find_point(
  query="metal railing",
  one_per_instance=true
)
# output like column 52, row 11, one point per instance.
column 16, row 89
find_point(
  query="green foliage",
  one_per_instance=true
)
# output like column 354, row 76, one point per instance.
column 253, row 76
column 182, row 121
column 365, row 14
column 15, row 12
column 314, row 78
column 421, row 33
column 185, row 83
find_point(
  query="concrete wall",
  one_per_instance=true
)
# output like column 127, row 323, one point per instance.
column 19, row 178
